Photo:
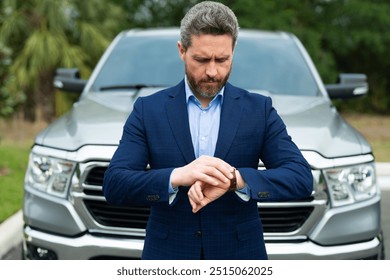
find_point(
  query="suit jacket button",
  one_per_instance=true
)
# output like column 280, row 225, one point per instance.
column 153, row 197
column 263, row 195
column 198, row 234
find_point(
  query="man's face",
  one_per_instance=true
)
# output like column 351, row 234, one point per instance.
column 208, row 62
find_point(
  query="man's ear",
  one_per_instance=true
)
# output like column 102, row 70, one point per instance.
column 181, row 49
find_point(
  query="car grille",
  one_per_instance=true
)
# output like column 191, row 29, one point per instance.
column 274, row 219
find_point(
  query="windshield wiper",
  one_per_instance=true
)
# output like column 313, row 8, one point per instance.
column 130, row 86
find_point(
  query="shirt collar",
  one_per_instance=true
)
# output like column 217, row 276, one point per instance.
column 189, row 92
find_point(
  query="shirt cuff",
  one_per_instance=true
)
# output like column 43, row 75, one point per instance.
column 172, row 191
column 244, row 193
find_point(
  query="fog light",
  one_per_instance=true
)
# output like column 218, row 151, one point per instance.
column 39, row 253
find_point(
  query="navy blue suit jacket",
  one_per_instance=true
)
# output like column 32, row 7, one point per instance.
column 157, row 134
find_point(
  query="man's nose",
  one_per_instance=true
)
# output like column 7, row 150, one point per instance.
column 211, row 69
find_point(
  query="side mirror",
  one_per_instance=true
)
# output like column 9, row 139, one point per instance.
column 348, row 86
column 68, row 79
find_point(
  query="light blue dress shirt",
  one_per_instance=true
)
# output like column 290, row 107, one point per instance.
column 204, row 127
column 204, row 122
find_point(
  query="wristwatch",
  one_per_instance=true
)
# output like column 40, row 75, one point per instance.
column 233, row 182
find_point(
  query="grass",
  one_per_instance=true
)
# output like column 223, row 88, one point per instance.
column 13, row 164
column 16, row 138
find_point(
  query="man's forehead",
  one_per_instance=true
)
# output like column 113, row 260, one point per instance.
column 206, row 43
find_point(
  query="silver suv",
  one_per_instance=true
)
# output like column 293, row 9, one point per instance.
column 66, row 215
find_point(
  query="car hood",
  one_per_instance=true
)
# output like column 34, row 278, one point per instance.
column 98, row 119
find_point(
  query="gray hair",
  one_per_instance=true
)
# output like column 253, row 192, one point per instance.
column 208, row 17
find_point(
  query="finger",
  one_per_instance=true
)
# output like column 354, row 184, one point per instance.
column 218, row 169
column 193, row 205
column 216, row 175
column 210, row 175
column 203, row 203
column 196, row 209
column 219, row 164
column 195, row 192
column 191, row 197
column 200, row 205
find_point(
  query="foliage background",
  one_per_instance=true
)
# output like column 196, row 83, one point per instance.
column 38, row 36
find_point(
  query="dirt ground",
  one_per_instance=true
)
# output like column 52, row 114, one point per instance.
column 373, row 127
column 19, row 132
column 376, row 129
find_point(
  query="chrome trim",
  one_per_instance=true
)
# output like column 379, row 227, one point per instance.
column 317, row 161
column 85, row 153
column 105, row 153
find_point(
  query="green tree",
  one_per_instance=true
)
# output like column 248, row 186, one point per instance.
column 46, row 34
column 359, row 39
column 155, row 13
column 9, row 99
column 300, row 17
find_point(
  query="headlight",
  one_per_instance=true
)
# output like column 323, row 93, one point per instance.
column 350, row 184
column 50, row 175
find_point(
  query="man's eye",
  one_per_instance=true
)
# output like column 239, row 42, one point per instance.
column 221, row 60
column 207, row 60
column 202, row 60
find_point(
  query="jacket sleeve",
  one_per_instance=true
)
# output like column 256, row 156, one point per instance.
column 127, row 179
column 287, row 175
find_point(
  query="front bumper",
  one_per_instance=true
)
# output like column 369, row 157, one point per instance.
column 88, row 246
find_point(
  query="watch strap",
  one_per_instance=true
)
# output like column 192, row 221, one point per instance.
column 233, row 182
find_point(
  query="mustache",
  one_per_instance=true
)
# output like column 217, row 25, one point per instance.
column 211, row 80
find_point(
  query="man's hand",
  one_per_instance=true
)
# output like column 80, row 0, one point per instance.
column 200, row 194
column 208, row 170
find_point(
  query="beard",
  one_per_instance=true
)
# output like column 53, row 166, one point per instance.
column 203, row 88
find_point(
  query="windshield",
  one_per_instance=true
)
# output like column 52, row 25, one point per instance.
column 261, row 63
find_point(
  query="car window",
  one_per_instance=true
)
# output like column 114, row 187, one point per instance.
column 275, row 65
column 141, row 60
column 260, row 63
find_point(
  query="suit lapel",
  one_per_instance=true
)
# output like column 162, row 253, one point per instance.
column 176, row 108
column 230, row 119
